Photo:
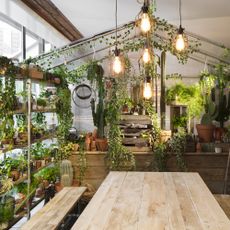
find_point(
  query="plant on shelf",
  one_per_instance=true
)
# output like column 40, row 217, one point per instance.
column 49, row 173
column 64, row 151
column 38, row 124
column 95, row 75
column 119, row 157
column 22, row 127
column 186, row 95
column 180, row 122
column 13, row 166
column 41, row 103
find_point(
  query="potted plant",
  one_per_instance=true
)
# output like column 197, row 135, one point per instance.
column 205, row 129
column 95, row 73
column 6, row 201
column 41, row 103
column 39, row 152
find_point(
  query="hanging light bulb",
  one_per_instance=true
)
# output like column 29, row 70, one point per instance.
column 145, row 20
column 146, row 56
column 147, row 94
column 117, row 64
column 181, row 41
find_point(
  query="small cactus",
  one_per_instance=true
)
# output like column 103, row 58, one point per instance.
column 98, row 112
column 66, row 171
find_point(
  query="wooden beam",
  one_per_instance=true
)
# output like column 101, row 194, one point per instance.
column 49, row 12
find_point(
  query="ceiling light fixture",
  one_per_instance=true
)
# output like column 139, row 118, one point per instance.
column 146, row 57
column 145, row 20
column 117, row 64
column 147, row 94
column 181, row 40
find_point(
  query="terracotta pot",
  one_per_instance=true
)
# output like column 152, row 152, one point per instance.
column 102, row 144
column 15, row 175
column 205, row 132
column 87, row 143
column 218, row 133
column 93, row 146
column 38, row 164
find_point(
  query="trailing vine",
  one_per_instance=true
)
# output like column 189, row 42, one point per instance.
column 63, row 108
column 7, row 91
column 119, row 157
column 82, row 160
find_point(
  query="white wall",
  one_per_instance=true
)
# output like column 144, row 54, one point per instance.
column 22, row 14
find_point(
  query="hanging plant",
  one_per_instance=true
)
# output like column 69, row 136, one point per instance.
column 119, row 157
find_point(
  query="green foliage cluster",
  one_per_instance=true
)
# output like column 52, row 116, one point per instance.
column 7, row 90
column 48, row 173
column 186, row 95
column 119, row 157
column 63, row 107
column 95, row 74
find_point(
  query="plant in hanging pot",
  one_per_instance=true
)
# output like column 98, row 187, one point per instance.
column 95, row 73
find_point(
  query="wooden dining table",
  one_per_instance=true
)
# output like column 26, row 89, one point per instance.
column 152, row 200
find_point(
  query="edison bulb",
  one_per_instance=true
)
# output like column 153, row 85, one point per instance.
column 117, row 66
column 180, row 43
column 147, row 90
column 145, row 23
column 146, row 56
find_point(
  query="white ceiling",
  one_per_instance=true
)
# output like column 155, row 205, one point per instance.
column 208, row 18
column 93, row 16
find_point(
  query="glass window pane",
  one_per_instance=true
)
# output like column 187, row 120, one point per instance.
column 48, row 47
column 32, row 46
column 10, row 41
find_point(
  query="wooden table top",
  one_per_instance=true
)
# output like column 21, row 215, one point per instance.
column 51, row 215
column 152, row 201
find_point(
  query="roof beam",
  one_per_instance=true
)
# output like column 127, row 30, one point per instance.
column 50, row 13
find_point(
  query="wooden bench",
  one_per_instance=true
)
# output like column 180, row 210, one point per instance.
column 54, row 212
column 224, row 202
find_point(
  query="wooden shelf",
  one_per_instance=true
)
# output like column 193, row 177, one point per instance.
column 22, row 146
column 45, row 110
column 22, row 179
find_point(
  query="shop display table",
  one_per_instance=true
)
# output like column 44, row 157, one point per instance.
column 153, row 200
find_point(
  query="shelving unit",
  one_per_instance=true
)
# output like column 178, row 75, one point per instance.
column 134, row 128
column 27, row 111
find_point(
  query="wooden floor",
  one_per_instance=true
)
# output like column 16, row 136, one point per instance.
column 153, row 201
column 224, row 202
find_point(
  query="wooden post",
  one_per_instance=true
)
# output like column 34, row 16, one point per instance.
column 162, row 98
column 29, row 146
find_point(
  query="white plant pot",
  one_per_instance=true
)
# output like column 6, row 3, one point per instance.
column 218, row 150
